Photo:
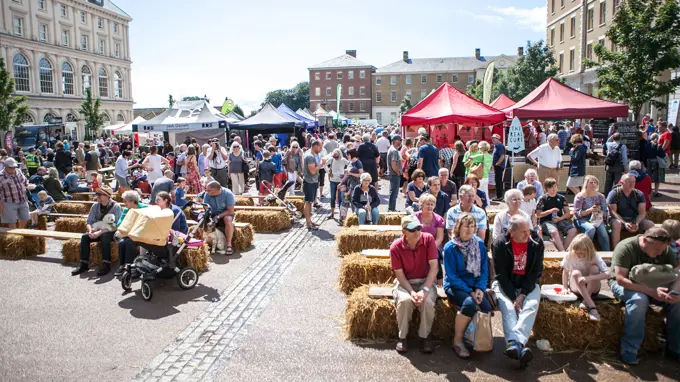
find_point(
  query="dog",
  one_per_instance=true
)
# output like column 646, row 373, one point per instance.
column 108, row 223
column 217, row 242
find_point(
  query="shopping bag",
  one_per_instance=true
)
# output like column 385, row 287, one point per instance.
column 479, row 333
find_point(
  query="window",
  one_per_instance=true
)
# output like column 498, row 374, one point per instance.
column 18, row 26
column 103, row 83
column 572, row 57
column 589, row 51
column 471, row 78
column 408, row 94
column 561, row 63
column 617, row 5
column 22, row 83
column 328, row 92
column 393, row 117
column 439, row 78
column 552, row 6
column 117, row 85
column 362, row 74
column 350, row 91
column 43, row 32
column 62, row 10
column 423, row 79
column 394, row 97
column 561, row 3
column 66, row 78
column 378, row 117
column 378, row 97
column 82, row 17
column 378, row 81
column 351, row 107
column 28, row 119
column 362, row 90
column 101, row 46
column 83, row 42
column 552, row 36
column 562, row 32
column 601, row 42
column 106, row 117
column 408, row 80
column 65, row 38
column 317, row 92
column 46, row 77
column 454, row 79
column 362, row 107
column 328, row 75
column 590, row 19
column 613, row 49
column 115, row 27
column 120, row 118
column 423, row 94
column 317, row 76
column 339, row 75
column 49, row 118
column 116, row 51
column 87, row 78
column 100, row 24
column 572, row 27
column 393, row 80
column 603, row 12
column 350, row 75
column 41, row 5
column 71, row 118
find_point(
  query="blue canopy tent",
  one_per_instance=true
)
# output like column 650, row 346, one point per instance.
column 270, row 120
column 309, row 123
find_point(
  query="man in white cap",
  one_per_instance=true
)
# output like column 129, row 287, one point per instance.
column 13, row 199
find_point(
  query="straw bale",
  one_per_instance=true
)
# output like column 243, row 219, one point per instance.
column 265, row 220
column 34, row 245
column 357, row 270
column 244, row 201
column 552, row 272
column 42, row 223
column 75, row 225
column 375, row 318
column 73, row 208
column 658, row 215
column 83, row 196
column 353, row 220
column 12, row 247
column 195, row 257
column 243, row 238
column 71, row 252
column 298, row 203
column 350, row 239
column 568, row 328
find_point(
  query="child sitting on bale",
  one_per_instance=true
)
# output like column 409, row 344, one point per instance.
column 45, row 206
column 583, row 271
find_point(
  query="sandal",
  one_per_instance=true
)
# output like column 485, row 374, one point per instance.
column 313, row 227
column 593, row 314
column 461, row 351
column 229, row 251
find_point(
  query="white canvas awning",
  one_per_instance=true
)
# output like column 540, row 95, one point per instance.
column 186, row 116
column 124, row 128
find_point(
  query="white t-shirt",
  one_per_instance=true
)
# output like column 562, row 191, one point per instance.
column 573, row 263
column 529, row 207
column 219, row 162
column 121, row 167
column 155, row 165
column 338, row 168
column 502, row 221
column 546, row 156
column 383, row 144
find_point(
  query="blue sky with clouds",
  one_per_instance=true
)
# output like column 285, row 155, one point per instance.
column 243, row 49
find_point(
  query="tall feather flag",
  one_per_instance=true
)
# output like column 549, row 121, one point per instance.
column 488, row 83
column 338, row 93
column 227, row 106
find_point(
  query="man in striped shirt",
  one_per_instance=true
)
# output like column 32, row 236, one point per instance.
column 13, row 200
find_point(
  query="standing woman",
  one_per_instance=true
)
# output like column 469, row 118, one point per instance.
column 457, row 164
column 407, row 151
column 236, row 173
column 487, row 162
column 368, row 154
column 336, row 166
column 292, row 161
column 153, row 164
column 217, row 162
column 193, row 178
column 577, row 167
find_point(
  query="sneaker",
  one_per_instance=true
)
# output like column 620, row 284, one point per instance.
column 426, row 346
column 105, row 269
column 526, row 356
column 402, row 346
column 83, row 268
column 629, row 358
column 120, row 270
column 512, row 350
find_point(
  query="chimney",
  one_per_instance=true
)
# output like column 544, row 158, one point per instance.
column 520, row 51
column 352, row 53
column 405, row 56
column 478, row 53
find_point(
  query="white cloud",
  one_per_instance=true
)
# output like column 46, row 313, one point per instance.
column 534, row 18
column 489, row 18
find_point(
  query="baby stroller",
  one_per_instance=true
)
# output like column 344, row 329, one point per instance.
column 151, row 228
column 280, row 197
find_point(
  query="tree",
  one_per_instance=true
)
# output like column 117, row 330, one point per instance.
column 531, row 70
column 646, row 36
column 93, row 118
column 252, row 113
column 171, row 100
column 295, row 98
column 476, row 90
column 191, row 98
column 237, row 109
column 13, row 110
column 405, row 105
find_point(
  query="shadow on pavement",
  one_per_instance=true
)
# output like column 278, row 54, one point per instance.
column 224, row 259
column 167, row 296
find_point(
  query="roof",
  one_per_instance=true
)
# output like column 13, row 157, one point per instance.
column 110, row 6
column 502, row 102
column 344, row 61
column 270, row 120
column 440, row 65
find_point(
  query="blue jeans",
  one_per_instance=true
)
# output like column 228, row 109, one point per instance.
column 584, row 225
column 517, row 327
column 395, row 182
column 466, row 305
column 361, row 213
column 334, row 193
column 637, row 305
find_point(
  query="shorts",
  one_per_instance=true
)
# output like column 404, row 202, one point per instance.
column 11, row 212
column 322, row 177
column 309, row 189
column 563, row 227
column 575, row 181
column 263, row 189
column 279, row 179
column 383, row 162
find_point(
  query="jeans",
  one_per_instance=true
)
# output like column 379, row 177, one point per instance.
column 361, row 213
column 637, row 304
column 395, row 181
column 517, row 327
column 498, row 177
column 584, row 225
column 334, row 194
column 127, row 251
column 105, row 239
column 611, row 179
column 466, row 305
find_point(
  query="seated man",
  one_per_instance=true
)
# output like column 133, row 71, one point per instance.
column 221, row 201
column 105, row 205
column 415, row 262
column 627, row 208
column 518, row 261
column 650, row 248
column 552, row 211
column 467, row 204
column 531, row 179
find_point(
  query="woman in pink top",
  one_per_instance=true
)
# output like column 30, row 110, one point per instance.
column 434, row 225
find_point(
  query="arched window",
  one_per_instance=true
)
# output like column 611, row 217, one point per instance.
column 106, row 117
column 117, row 85
column 87, row 78
column 120, row 118
column 70, row 117
column 103, row 83
column 67, row 78
column 46, row 77
column 28, row 119
column 49, row 117
column 21, row 73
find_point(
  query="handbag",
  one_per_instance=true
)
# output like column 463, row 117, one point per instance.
column 479, row 333
column 477, row 170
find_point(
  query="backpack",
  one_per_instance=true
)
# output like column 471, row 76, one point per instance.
column 619, row 189
column 614, row 156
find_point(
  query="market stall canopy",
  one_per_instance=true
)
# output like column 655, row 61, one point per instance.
column 186, row 116
column 555, row 100
column 124, row 128
column 234, row 115
column 269, row 120
column 304, row 113
column 320, row 112
column 309, row 122
column 502, row 102
column 449, row 105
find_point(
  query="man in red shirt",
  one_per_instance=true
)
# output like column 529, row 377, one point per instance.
column 665, row 139
column 414, row 259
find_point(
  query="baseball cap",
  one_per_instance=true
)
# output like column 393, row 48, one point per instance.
column 410, row 223
column 11, row 163
column 496, row 136
column 397, row 137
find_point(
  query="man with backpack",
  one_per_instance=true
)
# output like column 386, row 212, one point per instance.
column 615, row 161
column 628, row 209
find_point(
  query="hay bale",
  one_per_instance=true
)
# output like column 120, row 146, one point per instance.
column 357, row 270
column 73, row 208
column 298, row 203
column 376, row 319
column 84, row 197
column 350, row 240
column 34, row 246
column 392, row 219
column 195, row 257
column 42, row 223
column 75, row 225
column 552, row 272
column 241, row 201
column 568, row 328
column 12, row 247
column 242, row 238
column 71, row 252
column 264, row 220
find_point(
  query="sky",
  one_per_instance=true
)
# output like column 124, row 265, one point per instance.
column 244, row 49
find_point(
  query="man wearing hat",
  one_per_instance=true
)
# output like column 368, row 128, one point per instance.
column 105, row 205
column 394, row 171
column 498, row 165
column 414, row 260
column 13, row 199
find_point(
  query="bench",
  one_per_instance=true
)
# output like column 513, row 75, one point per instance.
column 385, row 254
column 40, row 233
column 386, row 292
column 380, row 228
column 259, row 208
column 79, row 201
column 301, row 197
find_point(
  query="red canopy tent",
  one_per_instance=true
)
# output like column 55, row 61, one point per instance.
column 502, row 102
column 449, row 105
column 555, row 100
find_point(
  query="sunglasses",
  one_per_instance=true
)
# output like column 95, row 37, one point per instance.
column 417, row 229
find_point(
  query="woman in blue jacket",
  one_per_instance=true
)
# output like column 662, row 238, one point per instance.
column 577, row 167
column 467, row 275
